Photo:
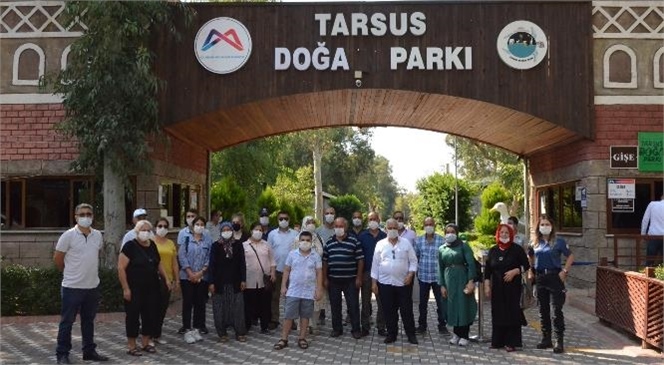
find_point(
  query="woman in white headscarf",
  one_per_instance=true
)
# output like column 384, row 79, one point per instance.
column 309, row 225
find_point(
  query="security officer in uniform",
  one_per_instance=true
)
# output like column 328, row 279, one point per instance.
column 550, row 277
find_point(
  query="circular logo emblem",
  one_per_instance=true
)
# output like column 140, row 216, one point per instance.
column 522, row 45
column 222, row 45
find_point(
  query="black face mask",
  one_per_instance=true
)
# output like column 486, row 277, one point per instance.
column 237, row 227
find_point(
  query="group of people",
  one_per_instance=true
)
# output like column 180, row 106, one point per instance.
column 248, row 274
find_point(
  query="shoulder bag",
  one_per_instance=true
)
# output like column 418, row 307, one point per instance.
column 267, row 282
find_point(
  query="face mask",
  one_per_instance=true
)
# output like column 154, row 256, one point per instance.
column 84, row 222
column 428, row 229
column 283, row 224
column 144, row 235
column 392, row 233
column 450, row 237
column 329, row 218
column 373, row 225
column 236, row 227
column 162, row 232
column 190, row 221
column 357, row 222
column 305, row 245
column 401, row 225
column 226, row 234
column 310, row 227
column 199, row 229
column 545, row 230
column 264, row 221
column 339, row 232
column 257, row 235
column 504, row 239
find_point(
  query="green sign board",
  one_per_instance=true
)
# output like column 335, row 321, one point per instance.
column 651, row 151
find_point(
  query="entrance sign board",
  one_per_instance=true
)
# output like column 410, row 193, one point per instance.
column 622, row 189
column 651, row 151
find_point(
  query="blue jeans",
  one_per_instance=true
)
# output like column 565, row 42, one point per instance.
column 441, row 304
column 352, row 295
column 85, row 302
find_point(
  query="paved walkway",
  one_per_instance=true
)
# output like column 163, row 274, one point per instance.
column 587, row 342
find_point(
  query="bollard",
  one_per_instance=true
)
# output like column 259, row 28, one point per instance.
column 480, row 303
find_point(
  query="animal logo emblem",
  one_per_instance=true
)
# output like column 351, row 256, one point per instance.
column 522, row 45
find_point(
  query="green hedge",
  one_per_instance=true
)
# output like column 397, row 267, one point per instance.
column 32, row 291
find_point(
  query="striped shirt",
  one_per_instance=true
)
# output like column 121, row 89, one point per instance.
column 427, row 257
column 342, row 257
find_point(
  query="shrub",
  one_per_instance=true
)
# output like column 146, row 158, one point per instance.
column 32, row 291
column 659, row 272
column 345, row 205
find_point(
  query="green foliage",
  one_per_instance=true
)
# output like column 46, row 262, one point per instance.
column 487, row 221
column 436, row 199
column 486, row 164
column 109, row 87
column 345, row 205
column 228, row 196
column 296, row 187
column 659, row 272
column 30, row 291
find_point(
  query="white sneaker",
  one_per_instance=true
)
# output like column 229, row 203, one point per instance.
column 463, row 342
column 197, row 335
column 159, row 341
column 454, row 340
column 189, row 337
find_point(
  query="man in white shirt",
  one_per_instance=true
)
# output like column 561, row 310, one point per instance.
column 77, row 256
column 653, row 225
column 281, row 240
column 392, row 272
column 404, row 231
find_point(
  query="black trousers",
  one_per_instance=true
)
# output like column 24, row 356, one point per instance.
column 164, row 301
column 395, row 300
column 352, row 294
column 194, row 296
column 462, row 331
column 551, row 290
column 257, row 305
column 502, row 336
column 140, row 311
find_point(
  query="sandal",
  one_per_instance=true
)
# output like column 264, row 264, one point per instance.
column 242, row 338
column 149, row 349
column 134, row 352
column 303, row 344
column 281, row 344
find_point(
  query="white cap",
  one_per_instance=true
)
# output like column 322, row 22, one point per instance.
column 139, row 212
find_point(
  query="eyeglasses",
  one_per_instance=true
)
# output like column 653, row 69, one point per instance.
column 162, row 226
column 283, row 219
column 84, row 214
column 398, row 218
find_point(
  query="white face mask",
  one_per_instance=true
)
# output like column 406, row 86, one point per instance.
column 162, row 232
column 401, row 225
column 310, row 227
column 283, row 224
column 357, row 222
column 329, row 218
column 226, row 234
column 504, row 239
column 144, row 235
column 339, row 232
column 450, row 237
column 190, row 221
column 392, row 233
column 257, row 235
column 199, row 229
column 84, row 222
column 305, row 245
column 264, row 221
column 428, row 229
column 545, row 230
column 373, row 225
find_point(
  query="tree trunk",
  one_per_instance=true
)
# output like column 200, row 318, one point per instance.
column 318, row 182
column 114, row 214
